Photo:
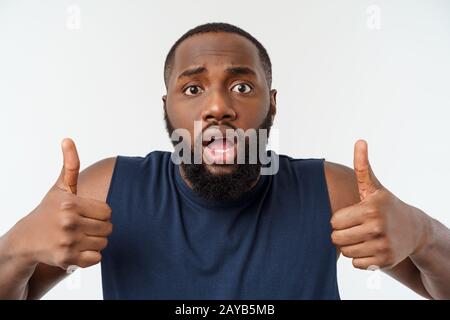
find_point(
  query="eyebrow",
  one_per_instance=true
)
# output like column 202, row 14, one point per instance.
column 232, row 70
column 241, row 70
column 191, row 72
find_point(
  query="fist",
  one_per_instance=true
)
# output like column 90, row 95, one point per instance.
column 380, row 231
column 65, row 229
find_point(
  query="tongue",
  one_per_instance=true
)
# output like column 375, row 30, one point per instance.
column 220, row 151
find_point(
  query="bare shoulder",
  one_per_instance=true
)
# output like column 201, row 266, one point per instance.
column 342, row 185
column 94, row 181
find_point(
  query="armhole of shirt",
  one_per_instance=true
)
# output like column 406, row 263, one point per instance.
column 325, row 184
column 113, row 180
column 337, row 253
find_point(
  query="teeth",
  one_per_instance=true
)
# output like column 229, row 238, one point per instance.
column 222, row 151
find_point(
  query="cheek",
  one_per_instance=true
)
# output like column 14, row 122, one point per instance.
column 252, row 115
column 180, row 119
column 181, row 114
column 251, row 112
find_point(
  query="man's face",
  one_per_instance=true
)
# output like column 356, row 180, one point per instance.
column 217, row 77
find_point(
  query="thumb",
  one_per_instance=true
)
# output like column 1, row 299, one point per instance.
column 68, row 178
column 367, row 182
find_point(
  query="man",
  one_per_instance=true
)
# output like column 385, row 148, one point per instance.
column 219, row 229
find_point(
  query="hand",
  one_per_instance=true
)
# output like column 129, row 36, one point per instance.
column 65, row 229
column 381, row 230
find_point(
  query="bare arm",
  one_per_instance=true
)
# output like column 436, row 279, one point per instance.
column 93, row 183
column 426, row 271
column 23, row 277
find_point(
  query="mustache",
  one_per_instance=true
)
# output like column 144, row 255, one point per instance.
column 266, row 124
column 214, row 129
column 220, row 126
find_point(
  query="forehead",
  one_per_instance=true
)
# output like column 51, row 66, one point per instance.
column 216, row 48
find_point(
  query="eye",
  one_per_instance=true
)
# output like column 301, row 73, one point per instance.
column 242, row 88
column 192, row 90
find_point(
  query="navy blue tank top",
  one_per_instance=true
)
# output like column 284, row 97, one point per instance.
column 169, row 243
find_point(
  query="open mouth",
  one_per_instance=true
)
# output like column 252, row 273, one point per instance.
column 219, row 150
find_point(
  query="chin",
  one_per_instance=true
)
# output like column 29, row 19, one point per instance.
column 221, row 169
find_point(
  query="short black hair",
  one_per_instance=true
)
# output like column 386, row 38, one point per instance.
column 219, row 27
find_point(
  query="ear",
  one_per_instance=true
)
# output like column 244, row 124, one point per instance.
column 273, row 102
column 164, row 99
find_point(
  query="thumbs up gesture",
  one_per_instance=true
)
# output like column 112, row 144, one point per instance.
column 68, row 178
column 65, row 229
column 380, row 231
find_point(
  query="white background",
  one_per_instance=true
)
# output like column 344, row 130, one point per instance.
column 339, row 78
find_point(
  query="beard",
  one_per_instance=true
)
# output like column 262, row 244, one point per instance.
column 224, row 186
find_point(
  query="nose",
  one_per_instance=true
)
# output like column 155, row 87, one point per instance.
column 218, row 108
